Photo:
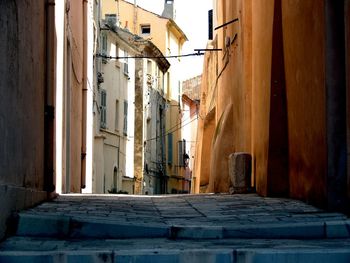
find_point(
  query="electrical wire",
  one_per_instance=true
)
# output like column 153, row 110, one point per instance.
column 167, row 133
column 150, row 57
column 175, row 126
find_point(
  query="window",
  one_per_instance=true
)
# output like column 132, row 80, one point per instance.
column 116, row 50
column 145, row 29
column 125, row 127
column 170, row 148
column 149, row 67
column 181, row 152
column 104, row 44
column 103, row 109
column 126, row 61
column 104, row 47
column 116, row 125
column 117, row 62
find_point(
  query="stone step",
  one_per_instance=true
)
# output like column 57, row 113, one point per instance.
column 28, row 250
column 67, row 227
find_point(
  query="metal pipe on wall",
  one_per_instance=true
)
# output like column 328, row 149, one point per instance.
column 84, row 99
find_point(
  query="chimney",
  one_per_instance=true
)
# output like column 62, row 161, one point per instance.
column 111, row 20
column 169, row 9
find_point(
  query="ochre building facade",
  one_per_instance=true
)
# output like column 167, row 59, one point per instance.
column 277, row 90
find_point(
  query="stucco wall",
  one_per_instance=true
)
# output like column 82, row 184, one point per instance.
column 75, row 36
column 127, row 15
column 233, row 90
column 261, row 74
column 22, row 87
column 305, row 82
column 281, row 97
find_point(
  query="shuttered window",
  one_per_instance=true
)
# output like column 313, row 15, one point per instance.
column 103, row 109
column 126, row 63
column 181, row 152
column 125, row 127
column 170, row 149
column 116, row 119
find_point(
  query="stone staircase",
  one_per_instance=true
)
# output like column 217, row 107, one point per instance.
column 185, row 228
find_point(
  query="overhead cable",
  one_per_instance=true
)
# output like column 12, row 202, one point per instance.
column 150, row 57
column 167, row 133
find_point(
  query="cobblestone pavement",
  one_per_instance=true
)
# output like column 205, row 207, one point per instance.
column 185, row 210
column 178, row 228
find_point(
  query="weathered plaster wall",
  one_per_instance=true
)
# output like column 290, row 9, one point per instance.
column 206, row 121
column 139, row 123
column 207, row 138
column 306, row 97
column 22, row 88
column 233, row 88
column 262, row 21
column 75, row 36
column 143, row 17
column 281, row 96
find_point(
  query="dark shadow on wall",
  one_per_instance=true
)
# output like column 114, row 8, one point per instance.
column 277, row 171
column 336, row 105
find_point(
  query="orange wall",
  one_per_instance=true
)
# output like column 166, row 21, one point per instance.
column 271, row 98
column 305, row 81
column 262, row 25
column 127, row 14
column 76, row 91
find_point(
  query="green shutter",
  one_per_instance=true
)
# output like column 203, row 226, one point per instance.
column 170, row 148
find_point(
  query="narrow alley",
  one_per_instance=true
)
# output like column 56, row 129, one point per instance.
column 182, row 228
column 140, row 131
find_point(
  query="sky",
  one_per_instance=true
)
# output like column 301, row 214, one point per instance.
column 192, row 17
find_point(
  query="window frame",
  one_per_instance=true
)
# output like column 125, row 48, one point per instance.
column 103, row 107
column 125, row 120
column 147, row 27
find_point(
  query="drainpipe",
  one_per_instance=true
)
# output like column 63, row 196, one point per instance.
column 49, row 97
column 84, row 102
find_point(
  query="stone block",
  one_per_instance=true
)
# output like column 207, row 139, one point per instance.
column 196, row 232
column 207, row 256
column 274, row 231
column 147, row 257
column 338, row 229
column 103, row 229
column 89, row 257
column 240, row 170
column 31, row 257
column 292, row 255
column 43, row 226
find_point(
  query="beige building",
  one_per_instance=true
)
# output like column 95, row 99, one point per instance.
column 74, row 96
column 150, row 114
column 169, row 38
column 191, row 90
column 115, row 113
